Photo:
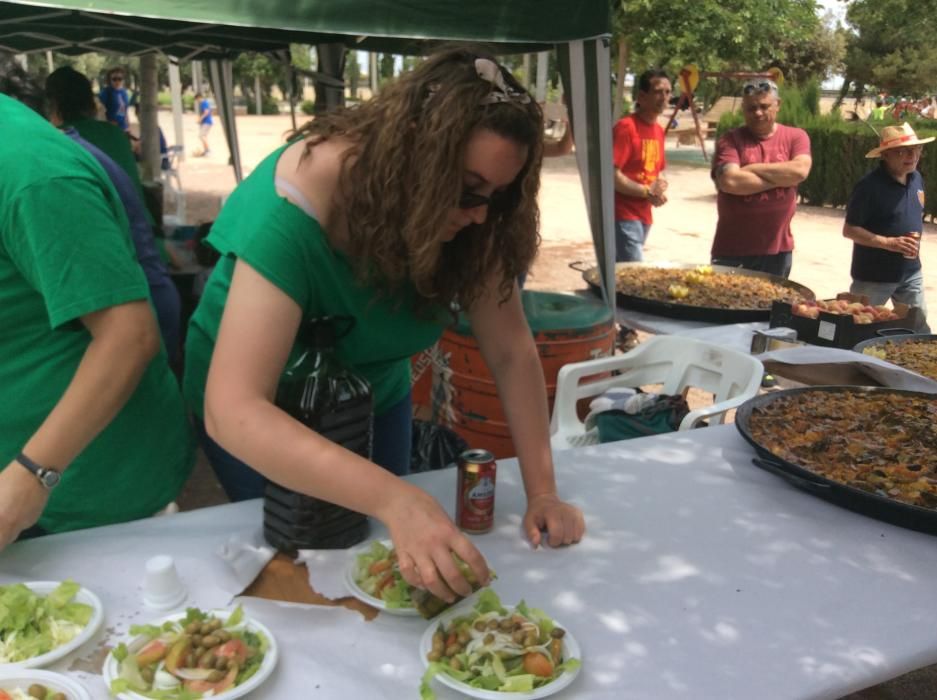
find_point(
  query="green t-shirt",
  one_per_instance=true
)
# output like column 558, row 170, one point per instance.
column 290, row 249
column 114, row 142
column 65, row 251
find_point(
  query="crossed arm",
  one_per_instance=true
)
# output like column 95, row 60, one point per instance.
column 760, row 177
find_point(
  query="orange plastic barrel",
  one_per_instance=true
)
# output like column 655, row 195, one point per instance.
column 566, row 328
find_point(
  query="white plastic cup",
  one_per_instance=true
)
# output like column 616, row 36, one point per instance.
column 162, row 588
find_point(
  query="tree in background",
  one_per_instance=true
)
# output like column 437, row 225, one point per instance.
column 720, row 35
column 891, row 47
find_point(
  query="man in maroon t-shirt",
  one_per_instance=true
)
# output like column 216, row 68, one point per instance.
column 757, row 168
column 638, row 154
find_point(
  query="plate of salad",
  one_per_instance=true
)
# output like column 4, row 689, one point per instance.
column 43, row 621
column 217, row 654
column 373, row 576
column 497, row 652
column 30, row 684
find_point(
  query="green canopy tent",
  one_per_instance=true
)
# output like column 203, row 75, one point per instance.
column 220, row 29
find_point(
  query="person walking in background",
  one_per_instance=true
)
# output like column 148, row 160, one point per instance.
column 203, row 108
column 115, row 99
column 885, row 220
column 638, row 155
column 756, row 169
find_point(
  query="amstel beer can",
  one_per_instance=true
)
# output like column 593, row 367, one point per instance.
column 475, row 499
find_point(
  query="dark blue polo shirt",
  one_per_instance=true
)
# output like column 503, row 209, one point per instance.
column 884, row 206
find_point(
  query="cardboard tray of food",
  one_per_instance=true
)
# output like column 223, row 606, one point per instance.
column 842, row 322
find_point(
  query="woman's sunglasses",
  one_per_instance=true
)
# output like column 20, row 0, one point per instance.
column 472, row 200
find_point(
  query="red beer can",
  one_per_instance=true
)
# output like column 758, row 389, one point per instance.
column 475, row 498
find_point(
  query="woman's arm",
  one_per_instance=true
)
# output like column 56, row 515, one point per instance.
column 257, row 331
column 124, row 339
column 508, row 347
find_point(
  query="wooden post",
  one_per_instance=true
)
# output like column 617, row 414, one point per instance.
column 620, row 81
column 258, row 101
column 149, row 121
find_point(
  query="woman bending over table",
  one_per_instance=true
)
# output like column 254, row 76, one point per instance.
column 388, row 212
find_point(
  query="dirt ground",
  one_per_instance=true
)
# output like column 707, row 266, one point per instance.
column 682, row 230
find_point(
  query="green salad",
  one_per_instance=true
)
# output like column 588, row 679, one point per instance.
column 33, row 624
column 377, row 573
column 198, row 656
column 493, row 648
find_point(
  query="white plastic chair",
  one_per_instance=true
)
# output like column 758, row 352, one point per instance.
column 676, row 362
column 172, row 183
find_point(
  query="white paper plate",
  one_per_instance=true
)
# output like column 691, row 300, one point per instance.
column 23, row 678
column 570, row 651
column 97, row 616
column 111, row 669
column 359, row 593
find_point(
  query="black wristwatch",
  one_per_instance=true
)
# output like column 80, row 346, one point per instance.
column 49, row 478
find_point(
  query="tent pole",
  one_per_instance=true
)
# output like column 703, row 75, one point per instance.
column 175, row 90
column 222, row 79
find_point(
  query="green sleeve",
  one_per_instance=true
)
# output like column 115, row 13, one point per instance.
column 68, row 239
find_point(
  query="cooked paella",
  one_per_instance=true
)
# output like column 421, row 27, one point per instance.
column 702, row 286
column 880, row 442
column 916, row 355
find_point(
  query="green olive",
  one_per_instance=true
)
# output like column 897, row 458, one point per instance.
column 557, row 632
column 59, row 696
column 221, row 663
column 147, row 673
column 205, row 628
column 434, row 655
column 37, row 691
column 193, row 627
column 197, row 640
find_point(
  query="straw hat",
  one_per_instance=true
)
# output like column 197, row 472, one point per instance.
column 897, row 137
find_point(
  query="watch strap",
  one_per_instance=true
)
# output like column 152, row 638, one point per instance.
column 47, row 476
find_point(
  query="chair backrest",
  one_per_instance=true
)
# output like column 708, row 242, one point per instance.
column 672, row 361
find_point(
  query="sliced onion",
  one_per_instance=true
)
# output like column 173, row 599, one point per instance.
column 193, row 674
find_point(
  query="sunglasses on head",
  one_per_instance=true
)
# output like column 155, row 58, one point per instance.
column 751, row 88
column 472, row 200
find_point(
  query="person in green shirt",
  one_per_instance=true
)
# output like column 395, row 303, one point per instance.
column 388, row 212
column 92, row 423
column 71, row 102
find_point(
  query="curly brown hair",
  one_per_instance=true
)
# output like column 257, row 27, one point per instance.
column 404, row 173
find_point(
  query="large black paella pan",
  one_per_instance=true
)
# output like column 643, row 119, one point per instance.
column 737, row 308
column 871, row 450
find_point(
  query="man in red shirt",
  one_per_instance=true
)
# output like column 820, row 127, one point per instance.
column 638, row 142
column 757, row 168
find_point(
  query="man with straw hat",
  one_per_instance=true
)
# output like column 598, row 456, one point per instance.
column 885, row 219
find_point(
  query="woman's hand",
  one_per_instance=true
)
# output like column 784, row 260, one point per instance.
column 22, row 499
column 562, row 522
column 425, row 540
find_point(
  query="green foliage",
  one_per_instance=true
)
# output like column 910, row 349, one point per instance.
column 308, row 107
column 714, row 34
column 892, row 46
column 268, row 105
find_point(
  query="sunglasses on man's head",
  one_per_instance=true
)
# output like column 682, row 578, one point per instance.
column 471, row 200
column 751, row 88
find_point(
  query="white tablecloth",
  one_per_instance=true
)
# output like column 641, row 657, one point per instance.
column 700, row 577
column 737, row 336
